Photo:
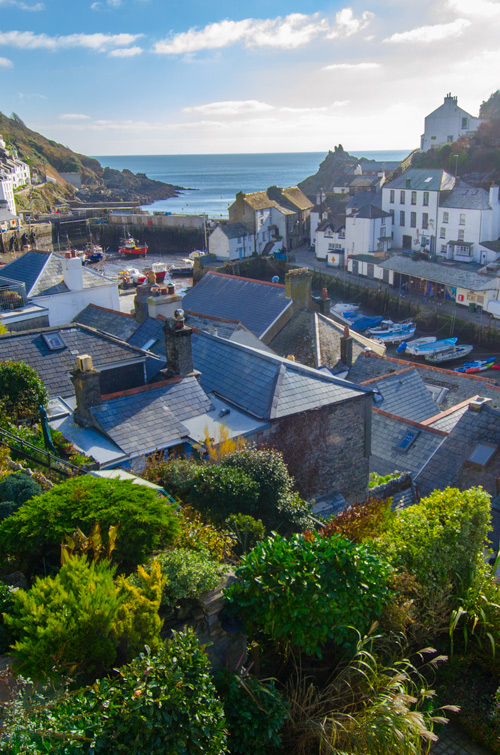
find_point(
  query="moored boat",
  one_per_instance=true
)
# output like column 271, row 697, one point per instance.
column 477, row 366
column 184, row 270
column 344, row 309
column 449, row 355
column 160, row 269
column 433, row 347
column 132, row 248
column 416, row 342
column 131, row 277
column 393, row 332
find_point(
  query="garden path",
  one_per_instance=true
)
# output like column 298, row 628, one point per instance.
column 454, row 741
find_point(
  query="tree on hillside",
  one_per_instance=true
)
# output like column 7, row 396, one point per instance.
column 21, row 390
column 490, row 108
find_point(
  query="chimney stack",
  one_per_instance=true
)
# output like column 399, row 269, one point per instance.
column 493, row 198
column 178, row 346
column 298, row 284
column 87, row 384
column 73, row 271
column 346, row 347
column 142, row 293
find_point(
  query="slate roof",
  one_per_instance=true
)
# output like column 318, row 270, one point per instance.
column 369, row 211
column 149, row 329
column 387, row 433
column 262, row 384
column 449, row 276
column 234, row 230
column 54, row 366
column 364, row 198
column 143, row 420
column 336, row 223
column 447, row 419
column 405, row 395
column 417, row 179
column 255, row 304
column 468, row 198
column 449, row 465
column 118, row 324
column 259, row 200
column 42, row 274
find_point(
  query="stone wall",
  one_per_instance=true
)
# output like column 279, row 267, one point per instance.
column 38, row 236
column 327, row 450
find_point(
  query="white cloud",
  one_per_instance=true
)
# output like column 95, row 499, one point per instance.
column 6, row 63
column 74, row 117
column 23, row 6
column 290, row 32
column 230, row 107
column 483, row 9
column 27, row 40
column 126, row 52
column 351, row 67
column 347, row 24
column 428, row 34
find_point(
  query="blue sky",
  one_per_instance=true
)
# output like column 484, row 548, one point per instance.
column 186, row 76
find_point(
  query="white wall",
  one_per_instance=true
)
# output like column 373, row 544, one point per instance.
column 230, row 249
column 63, row 307
column 445, row 122
column 407, row 207
column 7, row 193
column 328, row 241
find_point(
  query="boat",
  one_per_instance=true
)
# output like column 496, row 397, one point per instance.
column 131, row 277
column 477, row 366
column 343, row 309
column 363, row 322
column 184, row 270
column 93, row 253
column 449, row 355
column 433, row 347
column 197, row 253
column 392, row 332
column 416, row 342
column 160, row 269
column 132, row 248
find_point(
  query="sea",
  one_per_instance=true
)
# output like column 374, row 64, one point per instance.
column 211, row 182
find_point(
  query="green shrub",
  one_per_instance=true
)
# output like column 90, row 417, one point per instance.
column 7, row 508
column 76, row 621
column 196, row 534
column 21, row 390
column 255, row 714
column 6, row 605
column 218, row 491
column 18, row 487
column 310, row 589
column 247, row 531
column 174, row 475
column 440, row 540
column 161, row 704
column 187, row 574
column 144, row 521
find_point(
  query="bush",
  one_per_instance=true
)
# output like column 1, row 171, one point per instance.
column 77, row 620
column 195, row 534
column 187, row 574
column 247, row 531
column 21, row 390
column 18, row 487
column 255, row 714
column 440, row 540
column 218, row 491
column 361, row 521
column 6, row 605
column 161, row 704
column 308, row 590
column 144, row 521
column 278, row 506
column 174, row 475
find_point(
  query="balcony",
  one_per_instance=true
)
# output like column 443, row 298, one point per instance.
column 12, row 294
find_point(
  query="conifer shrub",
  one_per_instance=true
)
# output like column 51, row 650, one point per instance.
column 187, row 574
column 144, row 521
column 77, row 621
column 309, row 589
column 162, row 703
column 218, row 491
column 246, row 530
column 18, row 487
column 21, row 390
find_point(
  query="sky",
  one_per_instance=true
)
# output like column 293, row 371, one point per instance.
column 118, row 77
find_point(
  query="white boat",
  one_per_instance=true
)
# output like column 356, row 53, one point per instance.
column 449, row 355
column 393, row 332
column 424, row 341
column 343, row 309
column 434, row 347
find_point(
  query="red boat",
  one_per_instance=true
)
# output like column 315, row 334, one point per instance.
column 131, row 248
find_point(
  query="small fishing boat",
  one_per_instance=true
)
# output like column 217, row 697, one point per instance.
column 131, row 277
column 415, row 343
column 393, row 332
column 160, row 269
column 477, row 366
column 344, row 309
column 363, row 322
column 197, row 253
column 93, row 253
column 449, row 355
column 132, row 248
column 433, row 347
column 184, row 270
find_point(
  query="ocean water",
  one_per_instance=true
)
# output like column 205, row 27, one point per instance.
column 212, row 181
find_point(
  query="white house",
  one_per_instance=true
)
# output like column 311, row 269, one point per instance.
column 413, row 200
column 446, row 124
column 231, row 242
column 368, row 229
column 466, row 217
column 329, row 243
column 7, row 192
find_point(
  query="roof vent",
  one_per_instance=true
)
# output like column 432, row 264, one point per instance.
column 477, row 404
column 84, row 363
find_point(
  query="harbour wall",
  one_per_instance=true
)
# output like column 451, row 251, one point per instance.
column 160, row 240
column 37, row 236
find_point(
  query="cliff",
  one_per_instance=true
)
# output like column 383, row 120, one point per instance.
column 48, row 159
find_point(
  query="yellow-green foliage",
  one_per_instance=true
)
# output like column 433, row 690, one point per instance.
column 137, row 620
column 196, row 534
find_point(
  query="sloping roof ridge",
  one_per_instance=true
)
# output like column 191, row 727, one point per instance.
column 388, row 375
column 275, row 396
column 451, row 410
column 211, row 317
column 411, row 422
column 432, row 368
column 104, row 309
column 142, row 388
column 241, row 278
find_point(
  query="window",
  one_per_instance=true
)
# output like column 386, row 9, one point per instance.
column 408, row 440
column 425, row 220
column 414, row 197
column 450, row 138
column 392, row 215
column 426, row 198
column 391, row 196
column 331, row 247
column 413, row 219
column 382, row 230
column 443, row 248
column 402, row 218
column 461, row 233
column 482, row 454
column 446, row 217
column 465, row 123
column 402, row 198
column 442, row 233
column 464, row 251
column 462, row 218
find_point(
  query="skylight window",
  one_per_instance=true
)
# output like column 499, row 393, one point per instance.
column 54, row 341
column 149, row 343
column 427, row 180
column 408, row 440
column 482, row 454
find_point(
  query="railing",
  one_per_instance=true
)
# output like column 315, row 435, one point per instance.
column 45, row 458
column 12, row 294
